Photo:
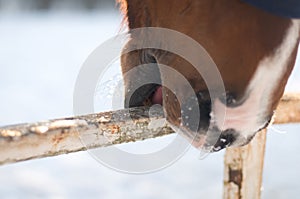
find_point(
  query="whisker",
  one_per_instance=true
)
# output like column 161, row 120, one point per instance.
column 276, row 130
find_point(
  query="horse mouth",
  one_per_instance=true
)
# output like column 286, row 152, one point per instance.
column 146, row 95
column 151, row 94
column 156, row 97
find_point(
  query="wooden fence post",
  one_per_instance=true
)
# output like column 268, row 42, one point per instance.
column 244, row 168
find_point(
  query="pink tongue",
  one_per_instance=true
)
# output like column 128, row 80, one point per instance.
column 157, row 97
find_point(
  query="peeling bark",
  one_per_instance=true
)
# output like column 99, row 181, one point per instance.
column 60, row 136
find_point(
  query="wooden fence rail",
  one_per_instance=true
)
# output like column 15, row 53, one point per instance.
column 60, row 136
column 243, row 166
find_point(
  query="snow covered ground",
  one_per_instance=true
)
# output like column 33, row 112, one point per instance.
column 40, row 57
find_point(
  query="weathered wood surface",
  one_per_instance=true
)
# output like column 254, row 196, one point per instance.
column 244, row 166
column 288, row 110
column 60, row 136
column 243, row 169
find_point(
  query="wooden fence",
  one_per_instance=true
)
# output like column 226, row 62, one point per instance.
column 243, row 166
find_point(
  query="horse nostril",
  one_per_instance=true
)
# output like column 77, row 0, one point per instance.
column 226, row 139
column 229, row 99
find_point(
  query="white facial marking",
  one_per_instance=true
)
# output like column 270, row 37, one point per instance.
column 249, row 117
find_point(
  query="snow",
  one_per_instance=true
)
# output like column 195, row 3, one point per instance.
column 40, row 57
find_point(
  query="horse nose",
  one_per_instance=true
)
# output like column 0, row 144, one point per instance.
column 225, row 139
column 196, row 112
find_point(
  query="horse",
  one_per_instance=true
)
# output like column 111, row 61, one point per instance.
column 253, row 44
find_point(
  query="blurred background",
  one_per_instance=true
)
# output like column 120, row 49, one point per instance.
column 43, row 44
column 46, row 5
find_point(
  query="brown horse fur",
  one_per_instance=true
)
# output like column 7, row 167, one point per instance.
column 236, row 35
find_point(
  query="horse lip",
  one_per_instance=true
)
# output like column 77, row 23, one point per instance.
column 143, row 95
